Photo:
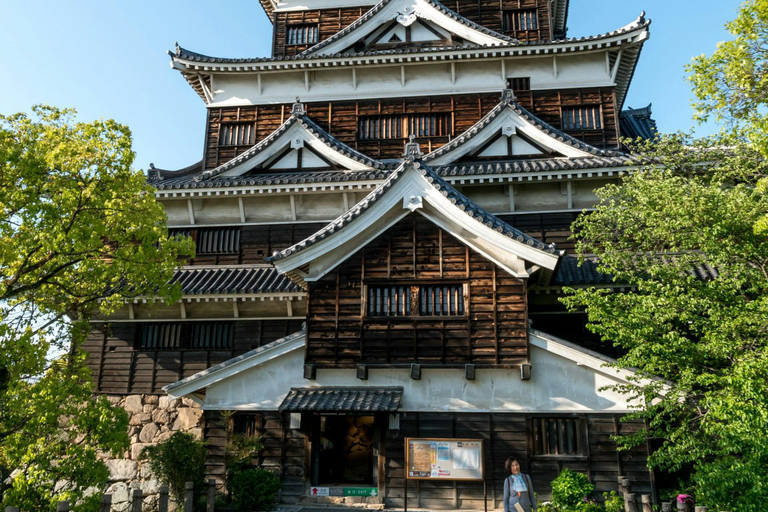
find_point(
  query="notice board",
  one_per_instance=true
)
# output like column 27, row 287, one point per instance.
column 444, row 459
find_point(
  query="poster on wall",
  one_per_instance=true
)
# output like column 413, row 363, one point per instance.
column 443, row 459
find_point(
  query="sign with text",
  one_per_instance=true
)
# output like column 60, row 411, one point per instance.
column 443, row 459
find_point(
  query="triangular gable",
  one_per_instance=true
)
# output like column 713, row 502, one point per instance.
column 414, row 187
column 299, row 144
column 412, row 22
column 510, row 132
column 565, row 378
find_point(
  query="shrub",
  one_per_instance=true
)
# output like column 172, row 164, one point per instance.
column 570, row 489
column 254, row 489
column 613, row 502
column 176, row 461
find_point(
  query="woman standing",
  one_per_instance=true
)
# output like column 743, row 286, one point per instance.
column 518, row 491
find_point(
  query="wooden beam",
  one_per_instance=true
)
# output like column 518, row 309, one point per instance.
column 191, row 211
column 242, row 209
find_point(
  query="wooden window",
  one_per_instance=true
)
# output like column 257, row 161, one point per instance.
column 519, row 83
column 416, row 300
column 558, row 436
column 584, row 117
column 224, row 240
column 165, row 336
column 400, row 126
column 521, row 19
column 389, row 301
column 212, row 335
column 297, row 35
column 237, row 134
column 441, row 300
column 180, row 335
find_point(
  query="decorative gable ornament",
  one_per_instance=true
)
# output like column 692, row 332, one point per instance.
column 407, row 16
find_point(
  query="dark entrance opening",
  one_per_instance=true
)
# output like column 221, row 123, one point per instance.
column 345, row 450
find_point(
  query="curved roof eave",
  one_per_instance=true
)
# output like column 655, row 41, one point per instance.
column 194, row 65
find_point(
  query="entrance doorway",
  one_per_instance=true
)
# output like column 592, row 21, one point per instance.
column 345, row 450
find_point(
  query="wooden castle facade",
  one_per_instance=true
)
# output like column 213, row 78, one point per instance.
column 381, row 258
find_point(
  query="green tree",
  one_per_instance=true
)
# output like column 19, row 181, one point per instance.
column 80, row 232
column 178, row 460
column 681, row 233
column 731, row 85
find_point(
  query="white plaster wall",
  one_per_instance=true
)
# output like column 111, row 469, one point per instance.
column 422, row 78
column 558, row 384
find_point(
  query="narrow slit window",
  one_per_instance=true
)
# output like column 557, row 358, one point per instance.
column 557, row 436
column 237, row 134
column 586, row 117
column 416, row 300
column 298, row 35
column 520, row 20
column 400, row 126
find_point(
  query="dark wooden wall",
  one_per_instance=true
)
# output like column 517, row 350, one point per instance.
column 256, row 243
column 340, row 119
column 488, row 13
column 287, row 453
column 494, row 332
column 118, row 368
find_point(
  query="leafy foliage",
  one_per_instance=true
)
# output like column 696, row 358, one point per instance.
column 79, row 232
column 254, row 489
column 240, row 451
column 613, row 502
column 732, row 83
column 695, row 326
column 178, row 460
column 571, row 490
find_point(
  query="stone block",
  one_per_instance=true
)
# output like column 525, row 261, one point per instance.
column 148, row 433
column 121, row 469
column 148, row 408
column 151, row 399
column 137, row 448
column 120, row 494
column 187, row 418
column 160, row 416
column 133, row 404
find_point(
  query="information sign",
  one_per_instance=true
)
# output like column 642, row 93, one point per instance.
column 444, row 459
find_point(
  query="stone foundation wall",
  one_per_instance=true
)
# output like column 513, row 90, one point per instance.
column 152, row 419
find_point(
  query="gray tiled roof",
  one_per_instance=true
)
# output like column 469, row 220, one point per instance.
column 297, row 116
column 638, row 123
column 378, row 7
column 570, row 273
column 283, row 178
column 232, row 280
column 461, row 202
column 327, row 399
column 508, row 102
column 182, row 53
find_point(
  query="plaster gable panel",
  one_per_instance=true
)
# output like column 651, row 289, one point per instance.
column 216, row 211
column 522, row 147
column 319, row 206
column 209, row 309
column 557, row 385
column 289, row 161
column 394, row 34
column 489, row 197
column 572, row 69
column 584, row 192
column 499, row 147
column 264, row 208
column 121, row 313
column 420, row 33
column 177, row 212
column 540, row 196
column 309, row 160
column 259, row 308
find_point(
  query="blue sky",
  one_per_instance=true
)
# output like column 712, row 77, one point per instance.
column 107, row 59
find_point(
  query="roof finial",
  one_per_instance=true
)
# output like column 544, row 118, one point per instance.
column 412, row 149
column 298, row 108
column 507, row 94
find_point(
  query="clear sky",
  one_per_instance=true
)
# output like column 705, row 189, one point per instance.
column 107, row 59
